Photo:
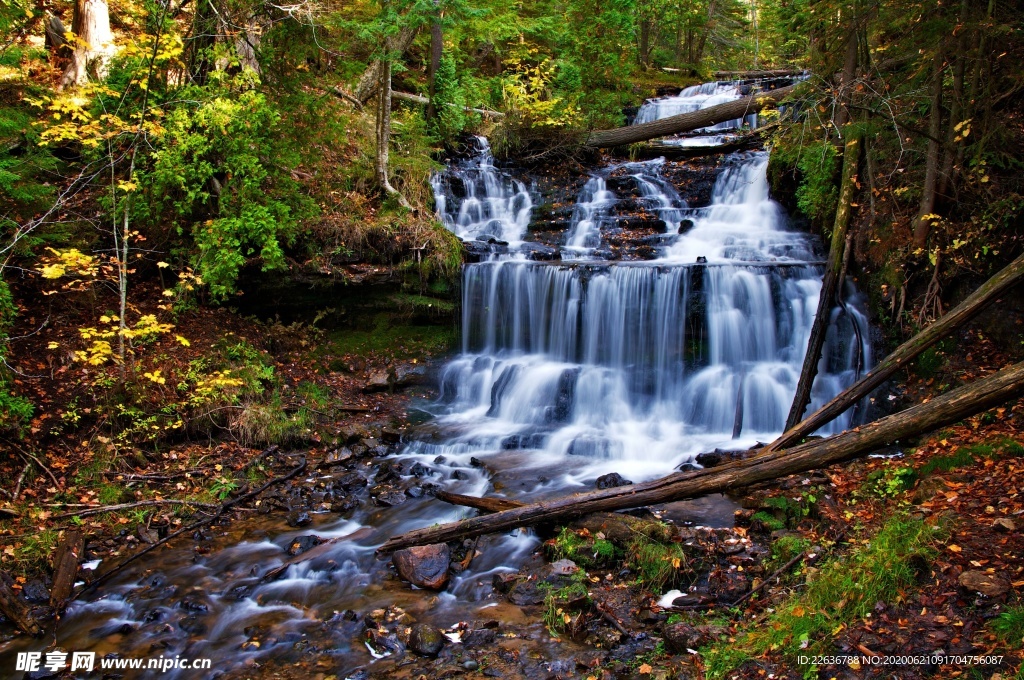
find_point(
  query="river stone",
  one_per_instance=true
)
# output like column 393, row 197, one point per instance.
column 426, row 640
column 525, row 593
column 301, row 544
column 407, row 375
column 337, row 457
column 425, row 566
column 990, row 585
column 709, row 459
column 299, row 518
column 36, row 592
column 478, row 637
column 391, row 498
column 679, row 637
column 611, row 480
column 380, row 380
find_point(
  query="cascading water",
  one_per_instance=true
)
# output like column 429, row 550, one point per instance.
column 693, row 99
column 566, row 371
column 488, row 203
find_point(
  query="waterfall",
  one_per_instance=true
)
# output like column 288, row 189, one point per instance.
column 477, row 201
column 592, row 204
column 587, row 367
column 696, row 98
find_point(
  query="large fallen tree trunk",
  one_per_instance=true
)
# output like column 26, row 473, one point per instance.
column 830, row 284
column 685, row 122
column 675, row 151
column 948, row 408
column 749, row 75
column 976, row 302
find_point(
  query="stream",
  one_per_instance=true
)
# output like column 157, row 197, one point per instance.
column 572, row 365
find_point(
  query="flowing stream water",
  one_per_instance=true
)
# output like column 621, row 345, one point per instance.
column 567, row 370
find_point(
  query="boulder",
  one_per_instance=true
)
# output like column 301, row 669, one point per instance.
column 380, row 380
column 299, row 518
column 680, row 637
column 301, row 544
column 611, row 480
column 426, row 640
column 425, row 566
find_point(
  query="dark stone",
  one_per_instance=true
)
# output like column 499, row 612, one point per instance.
column 380, row 380
column 685, row 226
column 989, row 585
column 688, row 467
column 709, row 460
column 36, row 592
column 475, row 462
column 611, row 480
column 414, row 492
column 425, row 566
column 565, row 396
column 407, row 375
column 503, row 581
column 418, row 469
column 459, row 474
column 479, row 636
column 525, row 593
column 540, row 252
column 337, row 456
column 426, row 640
column 522, row 441
column 692, row 600
column 391, row 435
column 299, row 518
column 192, row 625
column 391, row 498
column 679, row 637
column 301, row 544
column 192, row 604
column 470, row 665
column 349, row 481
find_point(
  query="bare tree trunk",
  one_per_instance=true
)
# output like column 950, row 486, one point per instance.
column 830, row 284
column 990, row 291
column 384, row 134
column 924, row 222
column 94, row 43
column 955, row 108
column 847, row 77
column 644, row 43
column 685, row 122
column 958, row 404
column 395, row 46
column 709, row 26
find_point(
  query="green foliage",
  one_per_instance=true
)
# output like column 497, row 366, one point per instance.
column 1009, row 626
column 889, row 481
column 785, row 549
column 558, row 602
column 657, row 564
column 222, row 173
column 844, row 590
column 583, row 549
column 965, row 456
column 450, row 97
column 818, row 192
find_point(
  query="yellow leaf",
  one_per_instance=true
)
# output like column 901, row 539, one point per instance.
column 645, row 669
column 183, row 341
column 953, row 547
column 162, row 265
column 52, row 345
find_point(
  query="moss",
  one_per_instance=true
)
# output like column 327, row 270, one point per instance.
column 1009, row 626
column 401, row 340
column 657, row 564
column 845, row 589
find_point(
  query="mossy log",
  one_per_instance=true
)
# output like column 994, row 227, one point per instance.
column 16, row 610
column 951, row 407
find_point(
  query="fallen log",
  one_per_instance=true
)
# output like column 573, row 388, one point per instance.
column 420, row 99
column 65, row 568
column 16, row 610
column 945, row 409
column 674, row 151
column 685, row 122
column 830, row 284
column 976, row 302
column 751, row 75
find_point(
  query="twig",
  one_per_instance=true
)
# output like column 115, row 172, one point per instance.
column 25, row 453
column 773, row 575
column 610, row 618
column 21, row 478
column 195, row 525
column 130, row 477
column 96, row 510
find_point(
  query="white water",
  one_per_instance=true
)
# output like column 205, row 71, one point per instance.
column 693, row 99
column 592, row 205
column 494, row 206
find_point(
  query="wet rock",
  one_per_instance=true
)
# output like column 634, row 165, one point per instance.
column 384, row 641
column 391, row 498
column 147, row 535
column 352, row 433
column 459, row 474
column 478, row 637
column 692, row 600
column 525, row 593
column 563, row 568
column 709, row 459
column 192, row 625
column 345, row 505
column 36, row 592
column 425, row 566
column 685, row 226
column 336, row 457
column 687, row 467
column 414, row 492
column 680, row 637
column 565, row 396
column 989, row 585
column 504, row 581
column 611, row 480
column 299, row 518
column 379, row 380
column 348, row 481
column 522, row 441
column 407, row 375
column 540, row 252
column 301, row 544
column 729, row 585
column 426, row 640
column 470, row 665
